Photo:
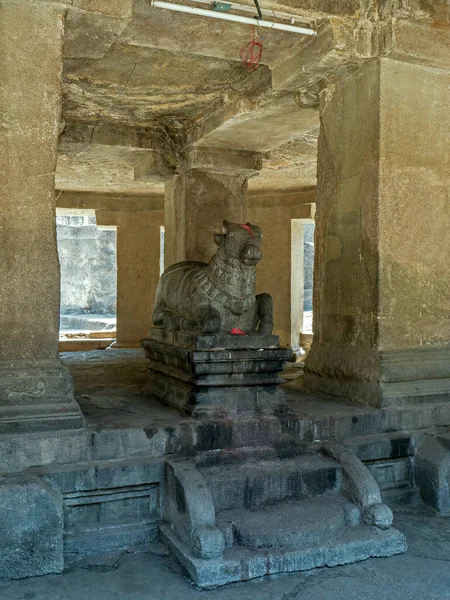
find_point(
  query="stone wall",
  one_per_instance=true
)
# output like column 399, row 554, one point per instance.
column 87, row 256
column 308, row 265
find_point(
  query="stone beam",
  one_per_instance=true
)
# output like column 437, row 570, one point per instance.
column 271, row 213
column 201, row 36
column 119, row 8
column 331, row 52
column 153, row 137
column 99, row 167
column 110, row 202
column 342, row 44
column 223, row 160
column 424, row 42
column 252, row 94
column 90, row 34
column 271, row 125
column 269, row 198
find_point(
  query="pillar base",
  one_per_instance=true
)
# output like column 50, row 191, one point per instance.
column 390, row 378
column 37, row 396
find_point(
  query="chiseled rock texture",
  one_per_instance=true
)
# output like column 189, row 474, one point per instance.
column 31, row 528
column 375, row 169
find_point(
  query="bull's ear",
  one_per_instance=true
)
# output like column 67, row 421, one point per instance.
column 219, row 238
column 225, row 225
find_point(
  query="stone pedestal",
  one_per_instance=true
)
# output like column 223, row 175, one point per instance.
column 381, row 290
column 35, row 390
column 206, row 375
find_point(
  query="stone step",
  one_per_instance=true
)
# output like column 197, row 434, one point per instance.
column 256, row 483
column 238, row 563
column 291, row 524
column 391, row 472
column 400, row 495
column 237, row 456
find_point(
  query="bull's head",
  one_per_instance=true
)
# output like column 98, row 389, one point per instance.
column 242, row 241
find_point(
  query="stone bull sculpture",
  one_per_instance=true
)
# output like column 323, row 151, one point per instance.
column 218, row 297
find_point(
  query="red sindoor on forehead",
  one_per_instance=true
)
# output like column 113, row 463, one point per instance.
column 245, row 226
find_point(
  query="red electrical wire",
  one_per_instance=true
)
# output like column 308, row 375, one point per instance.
column 251, row 53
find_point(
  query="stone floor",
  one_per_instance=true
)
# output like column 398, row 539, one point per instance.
column 150, row 573
column 108, row 386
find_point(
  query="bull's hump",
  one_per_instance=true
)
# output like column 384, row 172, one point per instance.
column 182, row 266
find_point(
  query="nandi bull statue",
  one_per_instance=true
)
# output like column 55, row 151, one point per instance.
column 218, row 297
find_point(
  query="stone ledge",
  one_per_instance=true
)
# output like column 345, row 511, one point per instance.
column 220, row 341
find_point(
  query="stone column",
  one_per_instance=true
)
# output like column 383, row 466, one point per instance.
column 212, row 188
column 382, row 268
column 138, row 264
column 274, row 273
column 36, row 392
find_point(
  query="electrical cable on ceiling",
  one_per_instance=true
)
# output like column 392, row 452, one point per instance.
column 251, row 53
column 258, row 8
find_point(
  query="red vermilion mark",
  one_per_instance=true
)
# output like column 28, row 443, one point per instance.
column 247, row 227
column 237, row 331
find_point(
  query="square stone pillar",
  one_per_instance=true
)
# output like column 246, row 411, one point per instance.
column 138, row 266
column 212, row 188
column 274, row 273
column 36, row 391
column 382, row 246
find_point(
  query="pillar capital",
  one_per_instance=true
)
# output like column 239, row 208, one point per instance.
column 196, row 203
column 224, row 160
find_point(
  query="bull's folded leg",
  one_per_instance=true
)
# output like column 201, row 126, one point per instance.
column 158, row 315
column 265, row 313
column 210, row 321
column 170, row 321
column 189, row 325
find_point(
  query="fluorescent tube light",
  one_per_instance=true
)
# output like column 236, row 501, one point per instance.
column 230, row 17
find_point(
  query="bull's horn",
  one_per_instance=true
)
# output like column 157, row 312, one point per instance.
column 225, row 225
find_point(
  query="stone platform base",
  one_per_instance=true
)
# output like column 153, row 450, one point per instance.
column 203, row 375
column 37, row 396
column 115, row 468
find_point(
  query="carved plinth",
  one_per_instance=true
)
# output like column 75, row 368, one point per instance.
column 213, row 374
column 37, row 396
